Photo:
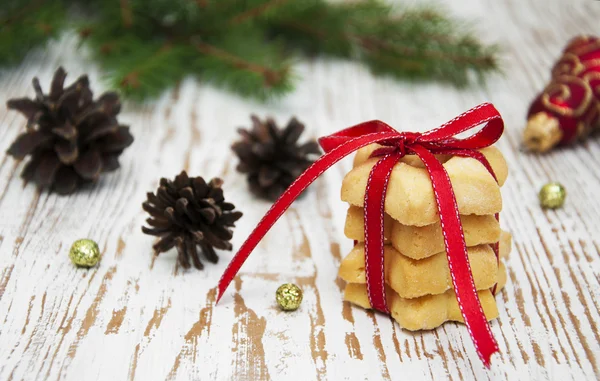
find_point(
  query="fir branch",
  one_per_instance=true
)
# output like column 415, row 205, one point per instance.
column 21, row 12
column 256, row 12
column 138, row 68
column 366, row 42
column 126, row 14
column 373, row 44
column 251, row 66
column 26, row 25
column 409, row 46
column 271, row 77
column 146, row 46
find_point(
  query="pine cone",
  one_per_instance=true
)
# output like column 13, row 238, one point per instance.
column 188, row 212
column 272, row 157
column 70, row 137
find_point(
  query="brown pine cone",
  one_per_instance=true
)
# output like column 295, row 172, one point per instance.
column 70, row 137
column 187, row 213
column 272, row 157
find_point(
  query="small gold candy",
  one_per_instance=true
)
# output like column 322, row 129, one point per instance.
column 289, row 296
column 84, row 253
column 552, row 196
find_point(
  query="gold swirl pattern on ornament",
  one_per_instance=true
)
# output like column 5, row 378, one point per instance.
column 589, row 77
column 580, row 50
column 565, row 91
column 591, row 63
column 569, row 63
column 564, row 94
column 590, row 122
column 576, row 41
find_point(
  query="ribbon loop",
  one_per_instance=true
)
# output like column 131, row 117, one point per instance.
column 395, row 145
column 330, row 142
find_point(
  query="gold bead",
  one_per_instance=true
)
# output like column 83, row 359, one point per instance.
column 84, row 253
column 552, row 196
column 289, row 296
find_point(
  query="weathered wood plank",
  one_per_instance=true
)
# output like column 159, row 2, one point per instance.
column 140, row 317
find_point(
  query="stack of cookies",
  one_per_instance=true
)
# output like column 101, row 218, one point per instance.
column 419, row 287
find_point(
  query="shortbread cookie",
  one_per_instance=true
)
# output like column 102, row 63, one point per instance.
column 355, row 224
column 364, row 154
column 502, row 276
column 414, row 278
column 505, row 244
column 420, row 242
column 426, row 312
column 492, row 153
column 410, row 199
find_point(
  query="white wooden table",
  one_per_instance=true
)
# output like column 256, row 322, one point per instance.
column 139, row 318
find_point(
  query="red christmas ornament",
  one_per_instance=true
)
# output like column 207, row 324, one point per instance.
column 568, row 108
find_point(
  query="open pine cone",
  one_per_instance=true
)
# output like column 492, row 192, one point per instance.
column 188, row 213
column 272, row 157
column 70, row 137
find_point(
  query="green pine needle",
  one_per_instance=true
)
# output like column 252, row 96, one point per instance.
column 147, row 46
column 25, row 25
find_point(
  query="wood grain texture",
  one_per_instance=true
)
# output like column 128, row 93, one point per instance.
column 142, row 318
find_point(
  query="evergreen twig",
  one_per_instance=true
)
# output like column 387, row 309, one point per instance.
column 146, row 46
column 255, row 12
column 126, row 14
column 270, row 76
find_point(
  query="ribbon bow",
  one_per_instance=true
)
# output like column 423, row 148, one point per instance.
column 395, row 145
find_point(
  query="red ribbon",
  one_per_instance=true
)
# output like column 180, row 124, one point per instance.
column 441, row 140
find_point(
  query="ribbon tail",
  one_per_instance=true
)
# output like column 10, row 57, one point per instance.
column 374, row 212
column 485, row 162
column 458, row 261
column 286, row 199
